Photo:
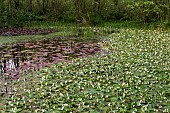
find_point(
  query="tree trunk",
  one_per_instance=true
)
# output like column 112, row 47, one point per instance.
column 30, row 6
column 97, row 6
column 80, row 6
column 16, row 4
column 9, row 6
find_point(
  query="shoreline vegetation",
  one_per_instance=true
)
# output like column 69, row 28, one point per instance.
column 118, row 61
column 133, row 77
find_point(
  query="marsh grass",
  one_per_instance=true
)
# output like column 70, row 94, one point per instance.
column 65, row 32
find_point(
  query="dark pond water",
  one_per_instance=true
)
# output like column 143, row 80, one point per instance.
column 24, row 31
column 24, row 56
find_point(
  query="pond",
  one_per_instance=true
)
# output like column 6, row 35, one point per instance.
column 24, row 31
column 33, row 55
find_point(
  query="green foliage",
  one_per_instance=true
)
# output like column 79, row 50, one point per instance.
column 83, row 11
column 135, row 77
column 147, row 11
column 19, row 18
column 167, row 24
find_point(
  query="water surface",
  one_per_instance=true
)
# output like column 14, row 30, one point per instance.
column 33, row 55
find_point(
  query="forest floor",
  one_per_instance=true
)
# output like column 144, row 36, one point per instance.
column 133, row 77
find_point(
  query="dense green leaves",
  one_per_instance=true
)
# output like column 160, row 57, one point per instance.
column 135, row 77
column 147, row 11
column 21, row 12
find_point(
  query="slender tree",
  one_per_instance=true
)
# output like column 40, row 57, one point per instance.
column 81, row 11
column 16, row 4
column 30, row 5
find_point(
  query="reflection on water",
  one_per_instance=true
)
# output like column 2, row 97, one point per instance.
column 10, row 64
column 25, row 56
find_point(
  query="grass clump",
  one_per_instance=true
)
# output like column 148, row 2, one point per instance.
column 135, row 77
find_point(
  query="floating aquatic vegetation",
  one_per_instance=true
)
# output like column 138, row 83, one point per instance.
column 34, row 55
